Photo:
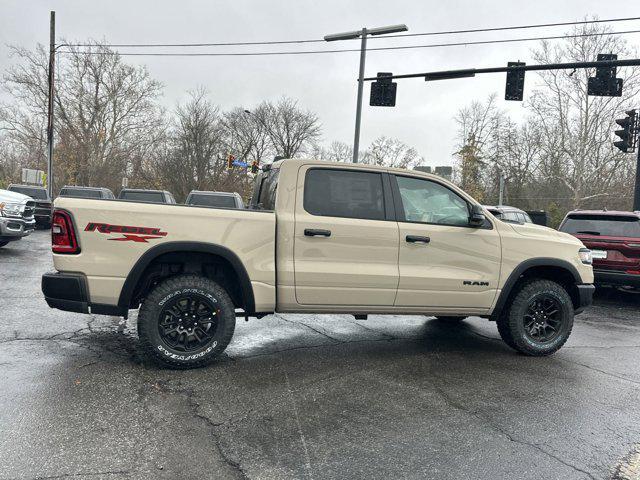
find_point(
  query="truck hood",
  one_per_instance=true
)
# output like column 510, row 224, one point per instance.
column 7, row 196
column 533, row 230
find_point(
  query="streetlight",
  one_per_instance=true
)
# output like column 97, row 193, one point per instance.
column 362, row 34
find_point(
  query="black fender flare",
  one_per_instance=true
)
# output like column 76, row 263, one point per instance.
column 168, row 247
column 522, row 268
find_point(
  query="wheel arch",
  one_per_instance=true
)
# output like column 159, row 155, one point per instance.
column 555, row 269
column 192, row 256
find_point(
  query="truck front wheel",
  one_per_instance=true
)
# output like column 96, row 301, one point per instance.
column 539, row 319
column 186, row 322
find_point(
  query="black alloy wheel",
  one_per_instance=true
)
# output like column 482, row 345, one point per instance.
column 543, row 318
column 188, row 322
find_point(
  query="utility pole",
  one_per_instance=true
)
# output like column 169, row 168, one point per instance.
column 51, row 79
column 362, row 34
column 636, row 194
column 363, row 53
column 501, row 194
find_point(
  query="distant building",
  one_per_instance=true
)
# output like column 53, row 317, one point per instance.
column 443, row 171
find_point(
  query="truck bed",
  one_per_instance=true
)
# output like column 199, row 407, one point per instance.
column 111, row 242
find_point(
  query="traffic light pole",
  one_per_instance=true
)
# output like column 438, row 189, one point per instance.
column 636, row 194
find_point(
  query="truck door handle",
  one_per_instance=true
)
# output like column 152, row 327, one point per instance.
column 417, row 239
column 314, row 232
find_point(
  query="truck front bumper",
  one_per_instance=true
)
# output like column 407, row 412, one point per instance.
column 15, row 228
column 69, row 292
column 585, row 296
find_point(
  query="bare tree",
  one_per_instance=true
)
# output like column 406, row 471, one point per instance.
column 391, row 152
column 576, row 128
column 290, row 129
column 106, row 114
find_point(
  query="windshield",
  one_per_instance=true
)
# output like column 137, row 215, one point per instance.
column 212, row 200
column 33, row 192
column 155, row 197
column 607, row 225
column 80, row 192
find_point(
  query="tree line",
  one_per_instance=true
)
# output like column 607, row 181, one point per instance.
column 110, row 124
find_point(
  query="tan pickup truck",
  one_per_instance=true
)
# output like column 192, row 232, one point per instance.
column 317, row 237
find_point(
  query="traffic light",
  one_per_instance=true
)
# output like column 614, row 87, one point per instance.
column 230, row 160
column 515, row 82
column 627, row 132
column 254, row 167
column 605, row 83
column 383, row 91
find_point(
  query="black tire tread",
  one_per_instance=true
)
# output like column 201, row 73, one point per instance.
column 506, row 323
column 150, row 304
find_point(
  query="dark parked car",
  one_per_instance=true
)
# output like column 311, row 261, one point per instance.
column 614, row 240
column 151, row 196
column 509, row 214
column 43, row 202
column 215, row 199
column 86, row 192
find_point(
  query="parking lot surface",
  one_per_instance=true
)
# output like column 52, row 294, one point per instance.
column 317, row 397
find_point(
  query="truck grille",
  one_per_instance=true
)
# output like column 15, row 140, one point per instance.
column 29, row 210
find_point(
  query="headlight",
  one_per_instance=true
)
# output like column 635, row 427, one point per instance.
column 585, row 256
column 10, row 209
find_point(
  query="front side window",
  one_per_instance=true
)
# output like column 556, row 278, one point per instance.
column 344, row 193
column 424, row 201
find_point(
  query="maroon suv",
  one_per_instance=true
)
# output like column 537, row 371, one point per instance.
column 614, row 239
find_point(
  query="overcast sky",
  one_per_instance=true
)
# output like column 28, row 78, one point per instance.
column 322, row 83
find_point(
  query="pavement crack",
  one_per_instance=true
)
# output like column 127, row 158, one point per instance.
column 85, row 474
column 604, row 372
column 324, row 334
column 195, row 407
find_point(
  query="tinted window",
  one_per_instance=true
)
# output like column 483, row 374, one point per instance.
column 155, row 197
column 608, row 225
column 425, row 201
column 527, row 218
column 80, row 192
column 38, row 193
column 343, row 193
column 267, row 190
column 224, row 201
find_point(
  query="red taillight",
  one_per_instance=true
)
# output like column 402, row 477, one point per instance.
column 633, row 272
column 63, row 236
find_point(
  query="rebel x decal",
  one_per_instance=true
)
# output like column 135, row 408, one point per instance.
column 129, row 233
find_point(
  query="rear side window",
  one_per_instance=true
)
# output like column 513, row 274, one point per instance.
column 344, row 193
column 222, row 201
column 607, row 225
column 80, row 193
column 155, row 197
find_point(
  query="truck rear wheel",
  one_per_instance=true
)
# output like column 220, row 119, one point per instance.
column 186, row 322
column 539, row 319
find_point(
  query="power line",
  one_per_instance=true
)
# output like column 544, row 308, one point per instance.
column 320, row 40
column 309, row 52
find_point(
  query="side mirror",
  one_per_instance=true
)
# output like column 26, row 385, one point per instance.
column 476, row 218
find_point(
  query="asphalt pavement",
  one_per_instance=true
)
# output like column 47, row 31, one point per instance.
column 312, row 397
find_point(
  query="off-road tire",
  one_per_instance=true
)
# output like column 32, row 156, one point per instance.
column 511, row 323
column 151, row 311
column 451, row 320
